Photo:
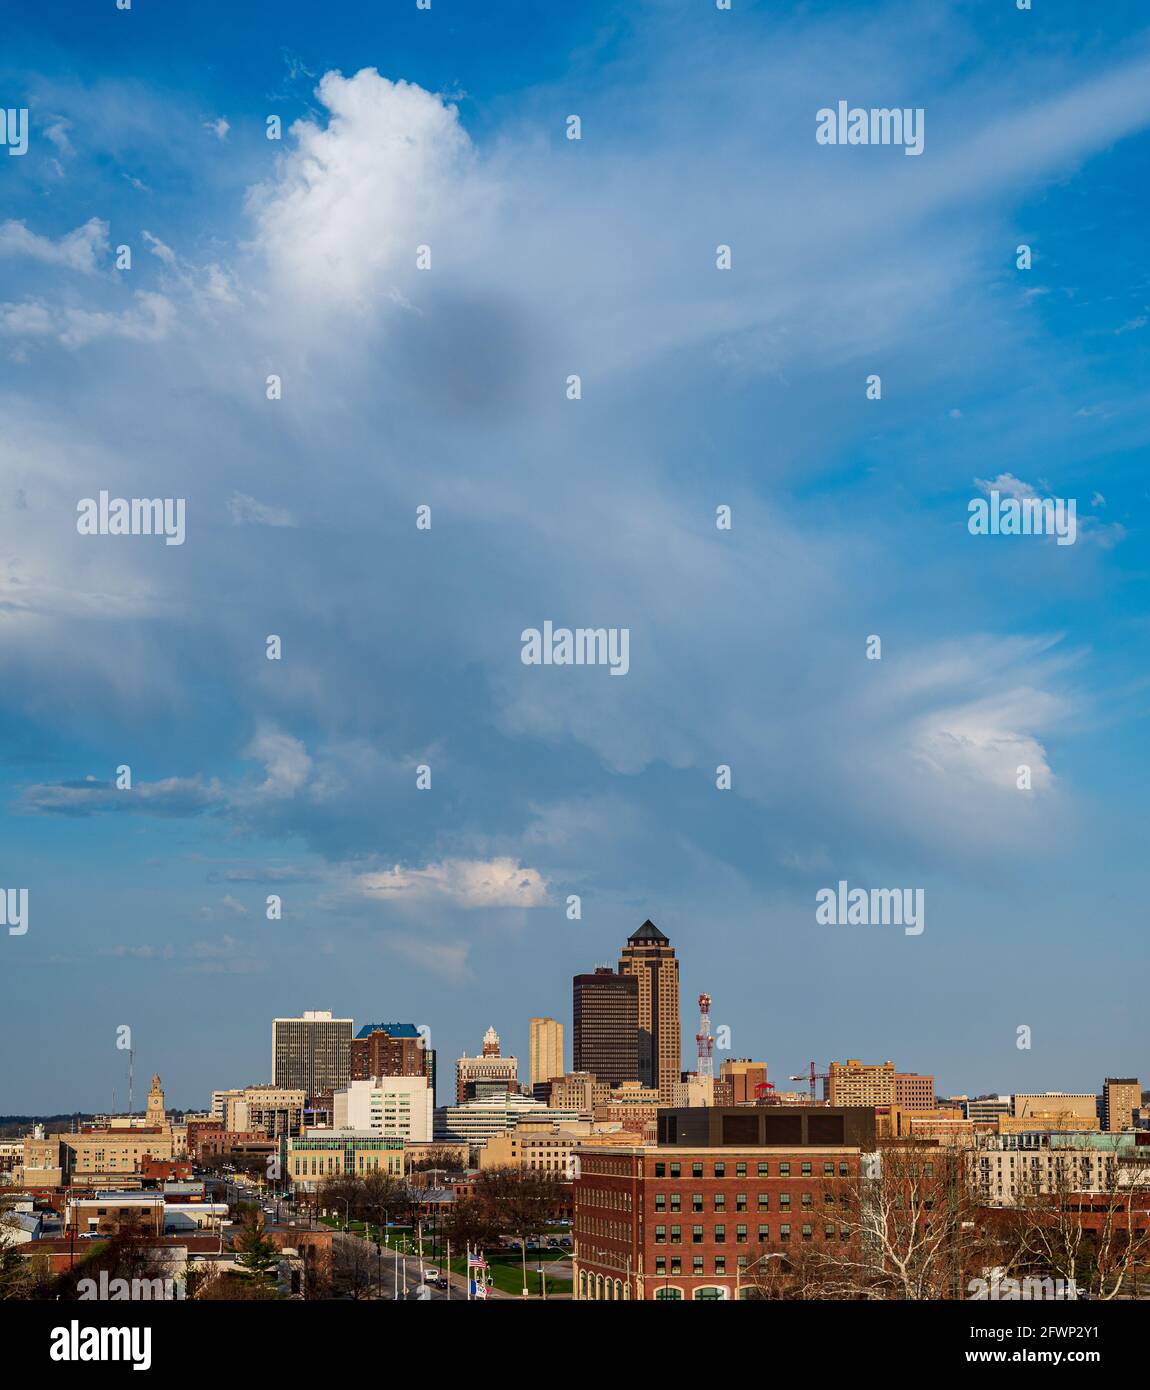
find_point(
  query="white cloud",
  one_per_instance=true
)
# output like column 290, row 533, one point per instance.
column 462, row 882
column 286, row 764
column 219, row 127
column 1007, row 485
column 248, row 509
column 158, row 248
column 79, row 250
column 349, row 205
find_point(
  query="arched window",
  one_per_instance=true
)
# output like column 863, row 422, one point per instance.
column 668, row 1292
column 709, row 1293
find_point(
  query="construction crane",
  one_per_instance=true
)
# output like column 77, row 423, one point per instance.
column 811, row 1077
column 704, row 1042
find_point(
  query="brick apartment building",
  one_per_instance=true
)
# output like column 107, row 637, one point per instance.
column 725, row 1189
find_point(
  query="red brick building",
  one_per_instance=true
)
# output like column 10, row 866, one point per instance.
column 165, row 1169
column 697, row 1215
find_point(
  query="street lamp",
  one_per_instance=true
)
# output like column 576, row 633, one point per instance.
column 770, row 1255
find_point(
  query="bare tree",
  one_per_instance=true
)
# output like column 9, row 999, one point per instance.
column 354, row 1266
column 1090, row 1230
column 902, row 1228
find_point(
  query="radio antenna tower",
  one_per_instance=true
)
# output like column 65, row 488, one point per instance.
column 704, row 1042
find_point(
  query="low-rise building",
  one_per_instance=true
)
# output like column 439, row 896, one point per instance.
column 696, row 1215
column 400, row 1106
column 476, row 1121
column 319, row 1154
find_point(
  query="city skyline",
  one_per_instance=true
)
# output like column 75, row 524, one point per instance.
column 375, row 320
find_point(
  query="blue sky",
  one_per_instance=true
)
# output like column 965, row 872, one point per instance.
column 447, row 388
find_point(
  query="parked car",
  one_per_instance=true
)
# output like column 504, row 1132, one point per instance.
column 431, row 1276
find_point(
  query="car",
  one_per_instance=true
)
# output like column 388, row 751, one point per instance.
column 441, row 1282
column 431, row 1276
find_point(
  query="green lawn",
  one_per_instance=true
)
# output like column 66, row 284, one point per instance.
column 507, row 1273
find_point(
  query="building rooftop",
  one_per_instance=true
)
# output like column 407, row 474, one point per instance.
column 648, row 932
column 393, row 1030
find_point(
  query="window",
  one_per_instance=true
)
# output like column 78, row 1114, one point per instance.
column 844, row 1170
column 784, row 1170
column 660, row 1264
column 696, row 1201
column 696, row 1235
column 720, row 1264
column 785, row 1201
column 784, row 1232
column 828, row 1170
column 808, row 1232
column 696, row 1264
column 807, row 1200
column 740, row 1170
column 696, row 1170
column 676, row 1170
column 660, row 1235
column 720, row 1170
column 740, row 1235
column 660, row 1170
column 764, row 1170
column 829, row 1231
column 660, row 1201
column 669, row 1294
column 720, row 1235
column 740, row 1201
column 764, row 1201
column 676, row 1201
column 764, row 1234
column 720, row 1201
column 676, row 1235
column 676, row 1265
column 806, row 1170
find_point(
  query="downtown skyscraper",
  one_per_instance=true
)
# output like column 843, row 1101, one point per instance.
column 650, row 958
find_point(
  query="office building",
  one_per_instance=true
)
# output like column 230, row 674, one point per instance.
column 697, row 1215
column 322, row 1154
column 1054, row 1104
column 605, row 1039
column 475, row 1121
column 858, row 1083
column 913, row 1092
column 546, row 1050
column 270, row 1110
column 579, row 1091
column 1121, row 1102
column 650, row 958
column 311, row 1054
column 985, row 1109
column 391, row 1049
column 745, row 1078
column 399, row 1106
column 489, row 1072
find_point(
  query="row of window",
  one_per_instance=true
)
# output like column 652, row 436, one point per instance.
column 762, row 1201
column 719, row 1170
column 719, row 1233
column 611, row 1197
column 785, row 1233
